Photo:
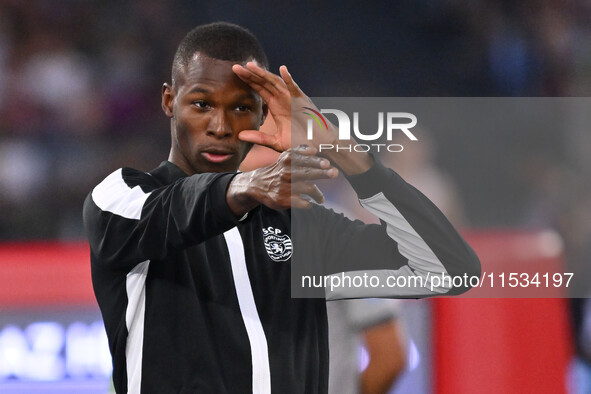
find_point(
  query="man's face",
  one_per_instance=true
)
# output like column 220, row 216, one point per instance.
column 209, row 105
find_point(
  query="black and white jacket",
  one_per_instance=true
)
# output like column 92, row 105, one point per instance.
column 196, row 301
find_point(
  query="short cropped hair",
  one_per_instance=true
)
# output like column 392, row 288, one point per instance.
column 219, row 40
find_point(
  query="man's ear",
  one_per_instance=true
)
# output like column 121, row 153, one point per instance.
column 265, row 112
column 167, row 99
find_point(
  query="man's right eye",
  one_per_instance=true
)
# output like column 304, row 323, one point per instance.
column 201, row 104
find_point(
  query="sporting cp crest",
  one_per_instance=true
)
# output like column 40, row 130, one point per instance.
column 278, row 245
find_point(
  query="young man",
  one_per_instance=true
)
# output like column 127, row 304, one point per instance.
column 194, row 294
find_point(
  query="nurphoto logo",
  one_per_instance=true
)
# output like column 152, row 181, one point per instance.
column 394, row 122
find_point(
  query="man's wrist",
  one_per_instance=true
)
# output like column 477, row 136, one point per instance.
column 238, row 196
column 351, row 163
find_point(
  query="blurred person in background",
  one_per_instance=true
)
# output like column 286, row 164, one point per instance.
column 561, row 200
column 372, row 325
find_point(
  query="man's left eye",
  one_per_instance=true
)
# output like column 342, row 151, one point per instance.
column 243, row 108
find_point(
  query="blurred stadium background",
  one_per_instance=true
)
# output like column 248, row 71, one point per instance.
column 80, row 88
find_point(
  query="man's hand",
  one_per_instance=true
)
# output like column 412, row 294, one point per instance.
column 281, row 94
column 281, row 185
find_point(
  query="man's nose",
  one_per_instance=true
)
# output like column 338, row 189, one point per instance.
column 219, row 125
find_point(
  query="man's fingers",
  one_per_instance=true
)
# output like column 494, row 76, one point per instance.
column 304, row 149
column 261, row 79
column 253, row 81
column 308, row 189
column 305, row 156
column 298, row 202
column 310, row 173
column 293, row 87
column 305, row 165
column 267, row 77
column 259, row 138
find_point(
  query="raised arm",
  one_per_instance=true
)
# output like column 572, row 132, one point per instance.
column 130, row 218
column 415, row 242
column 415, row 239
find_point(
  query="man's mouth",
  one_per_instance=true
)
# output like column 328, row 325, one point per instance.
column 217, row 157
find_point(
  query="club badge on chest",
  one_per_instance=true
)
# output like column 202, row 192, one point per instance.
column 278, row 245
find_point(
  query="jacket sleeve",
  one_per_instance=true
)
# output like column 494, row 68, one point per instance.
column 129, row 218
column 415, row 252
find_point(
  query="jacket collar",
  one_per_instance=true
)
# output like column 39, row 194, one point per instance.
column 167, row 173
